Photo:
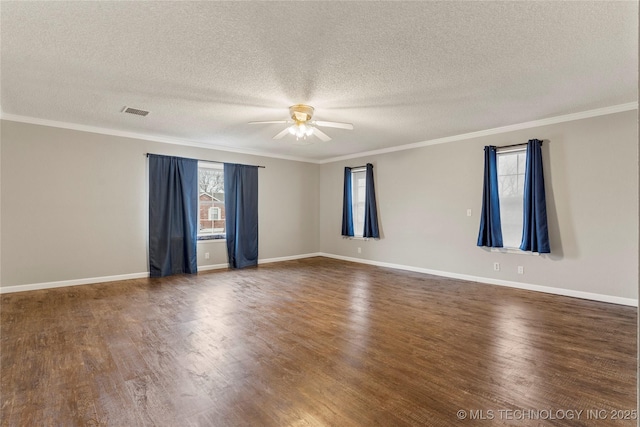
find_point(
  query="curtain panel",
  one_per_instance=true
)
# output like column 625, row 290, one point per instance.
column 490, row 233
column 535, row 233
column 370, row 207
column 241, row 204
column 173, row 213
column 347, row 208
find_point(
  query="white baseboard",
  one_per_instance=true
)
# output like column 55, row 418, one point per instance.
column 288, row 258
column 212, row 267
column 74, row 282
column 260, row 261
column 519, row 285
column 103, row 279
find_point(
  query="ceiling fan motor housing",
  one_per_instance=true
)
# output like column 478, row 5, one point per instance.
column 301, row 113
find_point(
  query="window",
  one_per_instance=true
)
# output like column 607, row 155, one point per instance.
column 358, row 192
column 511, row 168
column 211, row 201
column 214, row 214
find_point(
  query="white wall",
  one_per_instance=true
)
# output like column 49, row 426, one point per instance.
column 591, row 173
column 74, row 204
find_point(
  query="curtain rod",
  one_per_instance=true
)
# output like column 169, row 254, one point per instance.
column 202, row 160
column 512, row 145
column 499, row 147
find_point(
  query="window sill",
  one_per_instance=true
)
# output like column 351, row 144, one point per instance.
column 211, row 240
column 514, row 251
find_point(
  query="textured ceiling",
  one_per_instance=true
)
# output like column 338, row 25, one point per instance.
column 401, row 72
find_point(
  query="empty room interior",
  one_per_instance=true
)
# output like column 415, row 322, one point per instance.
column 319, row 213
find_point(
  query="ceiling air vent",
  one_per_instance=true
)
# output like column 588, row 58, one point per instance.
column 135, row 111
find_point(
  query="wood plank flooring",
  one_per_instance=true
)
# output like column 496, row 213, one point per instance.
column 314, row 342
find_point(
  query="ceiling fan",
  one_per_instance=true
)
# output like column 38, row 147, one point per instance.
column 301, row 125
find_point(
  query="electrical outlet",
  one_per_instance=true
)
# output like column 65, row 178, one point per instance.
column 206, row 255
column 520, row 269
column 359, row 250
column 496, row 266
column 468, row 212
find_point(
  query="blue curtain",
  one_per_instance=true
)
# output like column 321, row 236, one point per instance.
column 535, row 234
column 241, row 208
column 173, row 215
column 370, row 209
column 490, row 233
column 347, row 214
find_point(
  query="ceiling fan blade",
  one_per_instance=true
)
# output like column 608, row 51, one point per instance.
column 323, row 136
column 269, row 121
column 338, row 125
column 281, row 134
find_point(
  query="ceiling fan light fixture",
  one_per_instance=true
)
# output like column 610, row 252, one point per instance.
column 301, row 126
column 301, row 130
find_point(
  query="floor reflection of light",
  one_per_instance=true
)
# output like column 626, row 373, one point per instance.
column 358, row 326
column 213, row 338
column 515, row 351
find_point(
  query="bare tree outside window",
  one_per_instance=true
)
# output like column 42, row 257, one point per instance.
column 211, row 181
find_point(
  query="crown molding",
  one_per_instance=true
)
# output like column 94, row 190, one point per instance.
column 146, row 137
column 494, row 131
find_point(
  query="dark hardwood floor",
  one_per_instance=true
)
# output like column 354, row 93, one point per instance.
column 314, row 342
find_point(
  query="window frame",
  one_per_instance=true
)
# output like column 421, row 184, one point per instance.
column 502, row 153
column 357, row 174
column 203, row 237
